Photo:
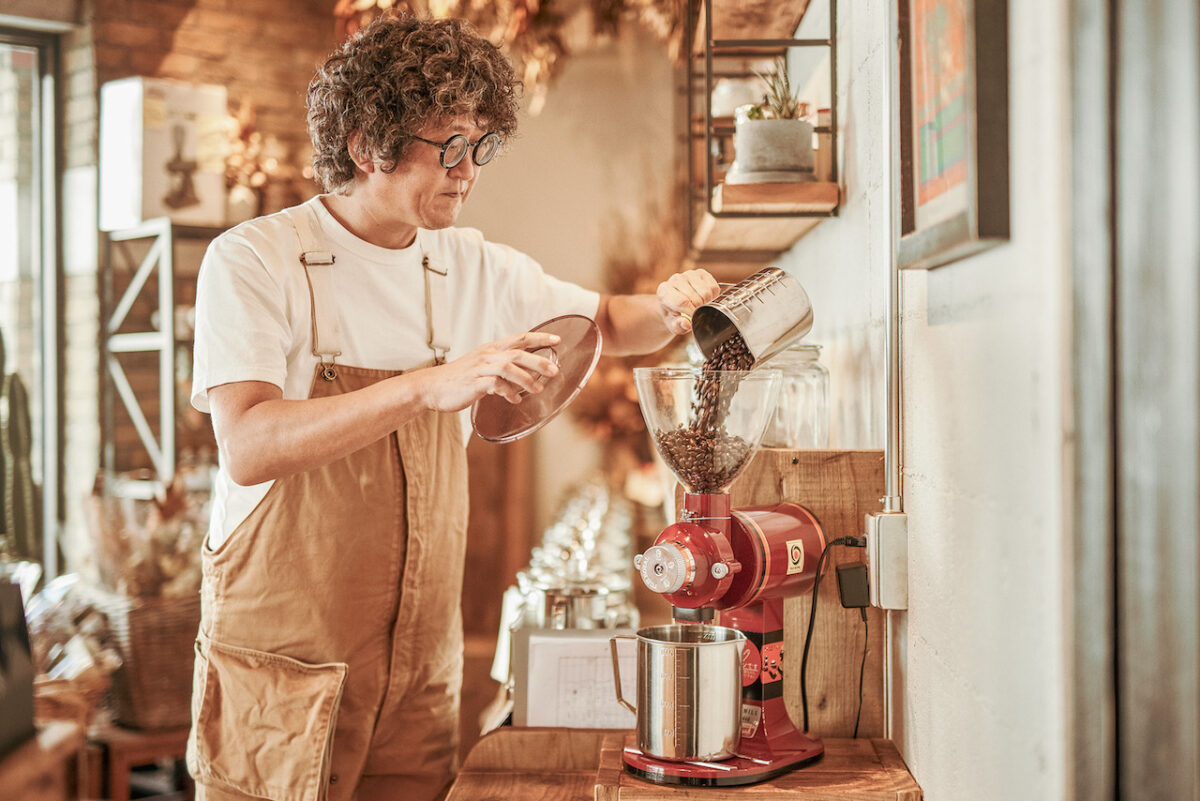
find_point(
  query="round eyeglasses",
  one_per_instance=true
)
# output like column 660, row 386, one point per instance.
column 455, row 149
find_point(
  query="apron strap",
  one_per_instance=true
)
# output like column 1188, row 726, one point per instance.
column 326, row 325
column 318, row 268
column 436, row 309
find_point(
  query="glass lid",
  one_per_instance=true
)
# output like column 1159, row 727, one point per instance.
column 497, row 420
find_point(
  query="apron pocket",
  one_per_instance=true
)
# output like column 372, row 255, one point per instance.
column 263, row 724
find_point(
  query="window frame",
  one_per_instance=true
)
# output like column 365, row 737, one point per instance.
column 48, row 180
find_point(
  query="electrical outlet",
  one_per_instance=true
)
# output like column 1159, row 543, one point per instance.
column 887, row 559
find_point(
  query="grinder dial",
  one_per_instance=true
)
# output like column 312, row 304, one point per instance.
column 666, row 568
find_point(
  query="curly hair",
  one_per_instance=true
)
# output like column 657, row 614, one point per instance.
column 394, row 77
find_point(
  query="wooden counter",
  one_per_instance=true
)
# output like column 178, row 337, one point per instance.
column 38, row 770
column 532, row 764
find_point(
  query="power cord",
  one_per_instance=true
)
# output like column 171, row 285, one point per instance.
column 854, row 589
column 855, row 542
column 862, row 668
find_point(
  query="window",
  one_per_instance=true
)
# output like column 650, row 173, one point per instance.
column 28, row 299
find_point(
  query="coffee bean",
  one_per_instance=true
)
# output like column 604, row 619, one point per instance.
column 704, row 455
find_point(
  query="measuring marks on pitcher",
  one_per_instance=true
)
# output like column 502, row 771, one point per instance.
column 680, row 697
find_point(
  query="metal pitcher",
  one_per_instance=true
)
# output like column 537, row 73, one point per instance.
column 689, row 690
column 770, row 309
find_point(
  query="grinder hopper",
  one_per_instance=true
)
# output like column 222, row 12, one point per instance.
column 706, row 424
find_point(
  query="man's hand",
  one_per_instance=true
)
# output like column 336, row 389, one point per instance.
column 263, row 437
column 506, row 368
column 679, row 296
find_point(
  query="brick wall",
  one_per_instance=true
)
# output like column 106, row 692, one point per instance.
column 264, row 52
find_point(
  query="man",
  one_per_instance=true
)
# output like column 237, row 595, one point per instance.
column 337, row 345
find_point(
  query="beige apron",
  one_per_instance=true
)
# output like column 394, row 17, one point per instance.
column 329, row 658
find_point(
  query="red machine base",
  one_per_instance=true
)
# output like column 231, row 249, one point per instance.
column 754, row 763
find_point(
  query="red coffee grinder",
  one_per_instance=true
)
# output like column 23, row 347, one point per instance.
column 742, row 563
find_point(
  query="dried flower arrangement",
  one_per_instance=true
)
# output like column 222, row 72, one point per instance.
column 148, row 548
column 534, row 33
column 255, row 163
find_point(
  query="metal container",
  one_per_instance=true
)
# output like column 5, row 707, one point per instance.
column 770, row 310
column 689, row 690
column 550, row 604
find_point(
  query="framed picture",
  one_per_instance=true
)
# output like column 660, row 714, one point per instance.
column 953, row 129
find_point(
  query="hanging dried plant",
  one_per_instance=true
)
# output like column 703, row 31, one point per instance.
column 531, row 32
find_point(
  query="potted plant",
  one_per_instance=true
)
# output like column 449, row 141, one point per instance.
column 771, row 140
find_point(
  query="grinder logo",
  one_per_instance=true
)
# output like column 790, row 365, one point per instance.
column 795, row 556
column 751, row 663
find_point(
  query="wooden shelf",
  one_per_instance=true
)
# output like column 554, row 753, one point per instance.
column 721, row 126
column 766, row 234
column 818, row 197
column 748, row 224
column 751, row 19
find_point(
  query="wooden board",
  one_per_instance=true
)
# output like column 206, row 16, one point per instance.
column 525, row 786
column 850, row 770
column 531, row 764
column 839, row 488
column 751, row 19
column 777, row 198
column 516, row 748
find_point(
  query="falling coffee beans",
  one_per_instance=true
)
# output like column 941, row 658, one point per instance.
column 703, row 454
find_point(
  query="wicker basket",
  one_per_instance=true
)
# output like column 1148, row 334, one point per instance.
column 153, row 688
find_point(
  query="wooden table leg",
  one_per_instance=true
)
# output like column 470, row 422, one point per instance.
column 118, row 778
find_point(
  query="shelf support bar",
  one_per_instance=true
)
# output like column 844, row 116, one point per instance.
column 134, row 410
column 135, row 286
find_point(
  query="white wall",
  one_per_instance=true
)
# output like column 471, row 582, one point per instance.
column 601, row 147
column 981, row 693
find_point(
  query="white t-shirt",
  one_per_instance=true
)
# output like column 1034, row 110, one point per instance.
column 254, row 313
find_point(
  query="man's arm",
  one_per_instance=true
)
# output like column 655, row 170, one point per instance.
column 634, row 324
column 262, row 436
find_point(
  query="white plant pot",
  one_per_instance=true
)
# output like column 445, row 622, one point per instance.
column 773, row 146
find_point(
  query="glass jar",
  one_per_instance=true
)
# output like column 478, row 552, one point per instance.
column 801, row 418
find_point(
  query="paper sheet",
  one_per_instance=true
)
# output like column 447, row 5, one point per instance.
column 566, row 679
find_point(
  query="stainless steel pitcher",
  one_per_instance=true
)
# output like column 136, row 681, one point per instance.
column 770, row 309
column 689, row 690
